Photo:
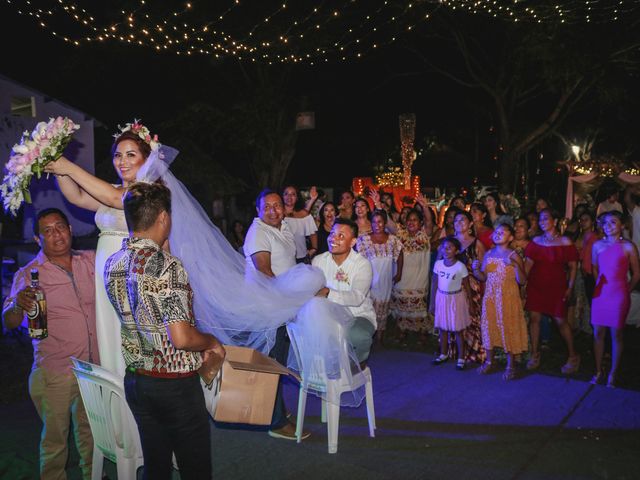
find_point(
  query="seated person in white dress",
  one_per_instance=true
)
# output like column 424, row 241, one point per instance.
column 348, row 275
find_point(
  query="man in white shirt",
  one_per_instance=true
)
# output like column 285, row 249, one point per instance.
column 269, row 247
column 348, row 275
column 609, row 204
column 631, row 201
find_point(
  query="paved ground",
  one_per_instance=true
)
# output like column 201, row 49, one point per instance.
column 433, row 423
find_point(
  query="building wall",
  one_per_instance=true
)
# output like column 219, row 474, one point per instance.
column 44, row 192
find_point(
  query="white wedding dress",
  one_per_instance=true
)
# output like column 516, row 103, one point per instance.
column 113, row 229
column 239, row 307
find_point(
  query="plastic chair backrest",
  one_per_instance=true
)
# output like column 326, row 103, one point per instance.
column 326, row 352
column 112, row 423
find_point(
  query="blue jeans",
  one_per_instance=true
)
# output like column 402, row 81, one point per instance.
column 172, row 418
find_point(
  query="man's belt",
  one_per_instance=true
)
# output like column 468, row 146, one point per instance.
column 149, row 373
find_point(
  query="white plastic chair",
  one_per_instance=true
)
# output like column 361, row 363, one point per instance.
column 114, row 429
column 333, row 388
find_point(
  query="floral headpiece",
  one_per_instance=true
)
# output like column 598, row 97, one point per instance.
column 142, row 132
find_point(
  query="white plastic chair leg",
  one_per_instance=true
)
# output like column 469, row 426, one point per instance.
column 126, row 468
column 371, row 414
column 302, row 406
column 333, row 424
column 97, row 464
column 323, row 411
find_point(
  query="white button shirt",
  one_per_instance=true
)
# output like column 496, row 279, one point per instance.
column 349, row 283
column 278, row 242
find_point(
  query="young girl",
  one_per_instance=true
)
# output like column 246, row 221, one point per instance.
column 451, row 284
column 503, row 323
column 613, row 259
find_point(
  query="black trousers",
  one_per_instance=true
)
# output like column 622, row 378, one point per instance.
column 280, row 352
column 172, row 418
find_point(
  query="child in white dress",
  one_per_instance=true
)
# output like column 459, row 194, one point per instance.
column 451, row 284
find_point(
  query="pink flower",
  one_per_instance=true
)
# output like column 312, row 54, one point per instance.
column 147, row 138
column 341, row 276
column 155, row 138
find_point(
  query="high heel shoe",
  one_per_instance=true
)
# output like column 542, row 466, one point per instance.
column 598, row 378
column 572, row 365
column 611, row 381
column 486, row 368
column 510, row 374
column 534, row 361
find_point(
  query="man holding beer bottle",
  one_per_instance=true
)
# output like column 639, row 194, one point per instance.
column 62, row 325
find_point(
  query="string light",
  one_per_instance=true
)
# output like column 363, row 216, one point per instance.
column 289, row 33
column 604, row 166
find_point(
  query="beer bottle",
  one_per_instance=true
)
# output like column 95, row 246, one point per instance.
column 37, row 316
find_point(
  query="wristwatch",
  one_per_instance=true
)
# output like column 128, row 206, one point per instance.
column 14, row 307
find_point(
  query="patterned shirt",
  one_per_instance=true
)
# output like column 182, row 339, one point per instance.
column 391, row 248
column 413, row 243
column 149, row 289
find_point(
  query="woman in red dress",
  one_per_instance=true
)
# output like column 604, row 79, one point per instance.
column 552, row 260
column 613, row 257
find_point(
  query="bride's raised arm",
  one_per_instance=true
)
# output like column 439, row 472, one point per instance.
column 82, row 188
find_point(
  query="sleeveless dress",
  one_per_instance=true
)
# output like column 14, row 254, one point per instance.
column 503, row 323
column 547, row 281
column 113, row 229
column 382, row 257
column 611, row 298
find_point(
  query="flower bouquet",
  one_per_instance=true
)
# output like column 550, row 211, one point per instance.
column 35, row 150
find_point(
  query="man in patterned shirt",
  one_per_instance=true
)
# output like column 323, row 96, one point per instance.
column 163, row 351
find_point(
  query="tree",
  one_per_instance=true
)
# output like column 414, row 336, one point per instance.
column 194, row 131
column 261, row 126
column 532, row 76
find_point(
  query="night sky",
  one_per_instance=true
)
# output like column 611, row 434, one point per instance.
column 356, row 102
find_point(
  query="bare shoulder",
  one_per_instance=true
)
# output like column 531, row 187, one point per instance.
column 537, row 240
column 598, row 246
column 629, row 247
column 565, row 241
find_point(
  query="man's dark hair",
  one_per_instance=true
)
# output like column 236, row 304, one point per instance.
column 350, row 223
column 143, row 202
column 264, row 193
column 44, row 213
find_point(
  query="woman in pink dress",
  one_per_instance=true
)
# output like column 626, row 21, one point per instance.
column 613, row 257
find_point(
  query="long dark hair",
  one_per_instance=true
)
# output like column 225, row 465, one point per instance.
column 496, row 198
column 361, row 199
column 299, row 205
column 321, row 211
column 483, row 209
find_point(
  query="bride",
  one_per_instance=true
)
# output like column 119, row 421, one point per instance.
column 237, row 309
column 129, row 152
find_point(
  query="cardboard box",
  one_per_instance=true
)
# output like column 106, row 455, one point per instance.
column 248, row 387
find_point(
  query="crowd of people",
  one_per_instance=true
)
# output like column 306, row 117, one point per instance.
column 166, row 279
column 483, row 279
